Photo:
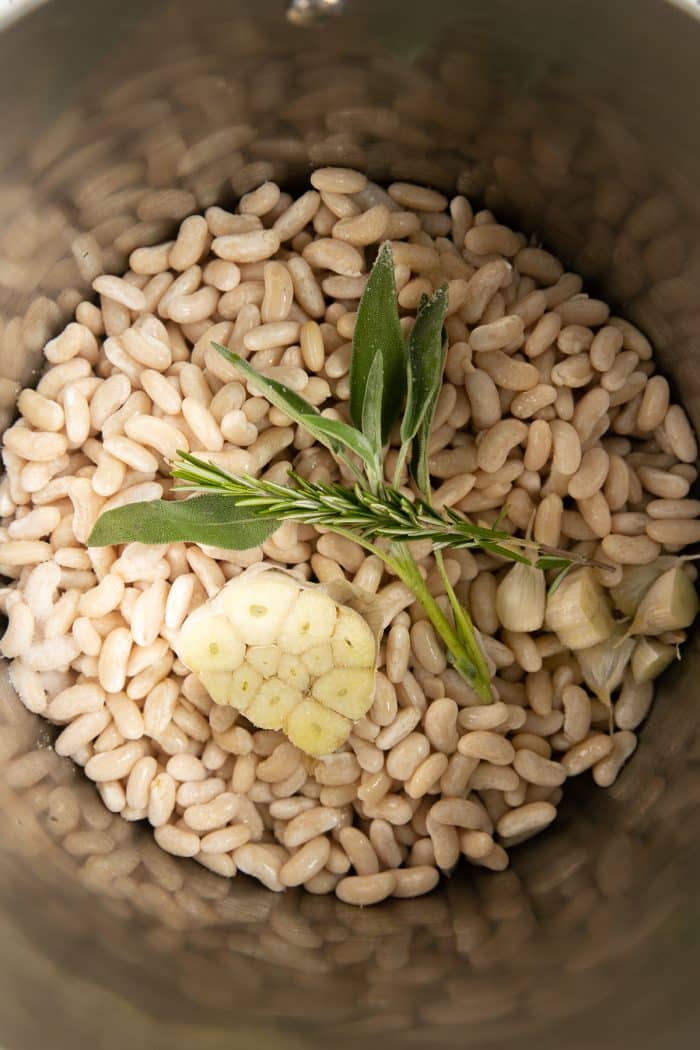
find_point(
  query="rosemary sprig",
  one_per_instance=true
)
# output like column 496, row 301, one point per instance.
column 390, row 516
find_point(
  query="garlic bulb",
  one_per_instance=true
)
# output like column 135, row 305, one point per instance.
column 650, row 658
column 670, row 604
column 636, row 581
column 286, row 654
column 603, row 665
column 521, row 598
column 579, row 611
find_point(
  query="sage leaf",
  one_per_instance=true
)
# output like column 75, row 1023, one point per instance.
column 337, row 437
column 335, row 431
column 215, row 520
column 378, row 334
column 427, row 350
column 372, row 408
column 420, row 468
column 426, row 360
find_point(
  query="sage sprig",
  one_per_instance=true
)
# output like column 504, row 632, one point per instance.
column 213, row 519
column 378, row 343
column 427, row 349
column 386, row 378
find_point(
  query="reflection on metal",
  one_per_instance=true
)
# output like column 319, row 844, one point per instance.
column 691, row 7
column 312, row 12
column 593, row 935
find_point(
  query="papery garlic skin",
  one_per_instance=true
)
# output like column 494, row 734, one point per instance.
column 286, row 655
column 603, row 665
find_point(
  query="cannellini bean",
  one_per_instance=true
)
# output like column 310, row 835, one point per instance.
column 498, row 442
column 34, row 445
column 680, row 435
column 263, row 861
column 538, row 770
column 177, row 841
column 366, row 889
column 29, row 687
column 112, row 765
column 631, row 550
column 254, row 246
column 670, row 531
column 81, row 731
column 526, row 820
column 488, row 746
column 607, row 769
column 310, row 824
column 307, row 862
column 19, row 632
column 334, row 255
column 586, row 753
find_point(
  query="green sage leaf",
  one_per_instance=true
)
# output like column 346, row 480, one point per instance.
column 427, row 353
column 426, row 360
column 420, row 449
column 378, row 335
column 334, row 432
column 214, row 520
column 372, row 408
column 338, row 437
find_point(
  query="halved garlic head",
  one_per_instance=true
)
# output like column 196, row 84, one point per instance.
column 284, row 654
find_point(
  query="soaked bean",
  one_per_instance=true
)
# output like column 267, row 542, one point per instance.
column 586, row 753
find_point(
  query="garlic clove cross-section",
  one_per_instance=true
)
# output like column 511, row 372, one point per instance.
column 211, row 642
column 258, row 607
column 286, row 655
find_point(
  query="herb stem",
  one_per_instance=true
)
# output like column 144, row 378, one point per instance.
column 400, row 462
column 465, row 627
column 388, row 515
column 474, row 671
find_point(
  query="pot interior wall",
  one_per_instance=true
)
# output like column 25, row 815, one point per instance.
column 577, row 122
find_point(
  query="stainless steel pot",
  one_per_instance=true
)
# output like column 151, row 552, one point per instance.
column 578, row 121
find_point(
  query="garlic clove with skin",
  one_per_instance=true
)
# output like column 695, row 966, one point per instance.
column 603, row 665
column 670, row 604
column 636, row 581
column 579, row 611
column 521, row 599
column 650, row 658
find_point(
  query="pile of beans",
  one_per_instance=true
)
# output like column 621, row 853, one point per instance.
column 550, row 406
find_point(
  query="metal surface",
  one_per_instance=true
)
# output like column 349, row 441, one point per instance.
column 577, row 120
column 312, row 12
